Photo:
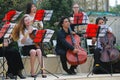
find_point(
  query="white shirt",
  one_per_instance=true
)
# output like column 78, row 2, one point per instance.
column 102, row 32
column 28, row 41
column 32, row 18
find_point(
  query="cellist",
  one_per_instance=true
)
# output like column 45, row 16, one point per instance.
column 99, row 48
column 62, row 45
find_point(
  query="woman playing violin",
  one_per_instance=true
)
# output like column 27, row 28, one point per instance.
column 30, row 12
column 22, row 31
column 62, row 45
column 100, row 47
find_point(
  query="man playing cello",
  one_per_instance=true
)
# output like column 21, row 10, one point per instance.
column 63, row 46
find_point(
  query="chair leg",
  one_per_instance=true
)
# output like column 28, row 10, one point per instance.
column 24, row 62
column 2, row 64
column 59, row 64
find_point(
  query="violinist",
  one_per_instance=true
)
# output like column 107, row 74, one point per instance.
column 21, row 34
column 77, row 18
column 62, row 45
column 99, row 48
column 30, row 12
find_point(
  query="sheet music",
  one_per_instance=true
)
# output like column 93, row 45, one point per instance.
column 103, row 30
column 48, row 15
column 16, row 15
column 8, row 33
column 48, row 35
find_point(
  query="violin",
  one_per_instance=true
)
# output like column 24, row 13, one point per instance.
column 32, row 36
column 109, row 52
column 37, row 36
column 75, row 58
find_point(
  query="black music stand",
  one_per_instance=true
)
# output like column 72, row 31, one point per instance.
column 11, row 15
column 98, row 34
column 43, row 36
column 3, row 47
column 48, row 15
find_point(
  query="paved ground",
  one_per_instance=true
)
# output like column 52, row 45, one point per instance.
column 79, row 76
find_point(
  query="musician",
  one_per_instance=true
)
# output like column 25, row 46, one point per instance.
column 62, row 45
column 31, row 11
column 97, row 53
column 78, row 16
column 14, row 61
column 21, row 33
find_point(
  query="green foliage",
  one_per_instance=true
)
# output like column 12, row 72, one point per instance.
column 6, row 5
column 60, row 8
column 115, row 9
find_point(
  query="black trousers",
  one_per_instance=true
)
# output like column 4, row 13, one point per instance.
column 97, row 55
column 105, row 65
column 13, row 58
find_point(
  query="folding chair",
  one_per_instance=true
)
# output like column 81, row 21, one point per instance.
column 59, row 67
column 2, row 64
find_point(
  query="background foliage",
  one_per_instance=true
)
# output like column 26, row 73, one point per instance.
column 6, row 5
column 60, row 8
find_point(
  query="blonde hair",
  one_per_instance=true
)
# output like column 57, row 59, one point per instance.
column 20, row 27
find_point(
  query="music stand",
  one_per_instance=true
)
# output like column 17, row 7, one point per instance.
column 80, row 19
column 48, row 15
column 2, row 35
column 44, row 15
column 98, row 31
column 40, row 38
column 10, row 15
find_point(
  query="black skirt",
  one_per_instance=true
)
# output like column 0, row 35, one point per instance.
column 26, row 50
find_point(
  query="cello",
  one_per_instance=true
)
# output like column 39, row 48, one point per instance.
column 75, row 58
column 109, row 52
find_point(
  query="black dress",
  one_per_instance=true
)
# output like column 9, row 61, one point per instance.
column 13, row 58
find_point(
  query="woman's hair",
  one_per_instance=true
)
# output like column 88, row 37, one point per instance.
column 28, row 7
column 98, row 19
column 62, row 20
column 20, row 27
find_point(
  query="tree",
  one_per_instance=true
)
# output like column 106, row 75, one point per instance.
column 115, row 9
column 60, row 8
column 6, row 5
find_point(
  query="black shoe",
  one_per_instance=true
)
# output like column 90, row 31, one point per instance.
column 97, row 69
column 33, row 76
column 44, row 76
column 73, row 71
column 69, row 72
column 11, row 76
column 21, row 75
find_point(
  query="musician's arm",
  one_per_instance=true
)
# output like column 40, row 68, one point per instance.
column 61, row 38
column 94, row 40
column 23, row 38
column 5, row 43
